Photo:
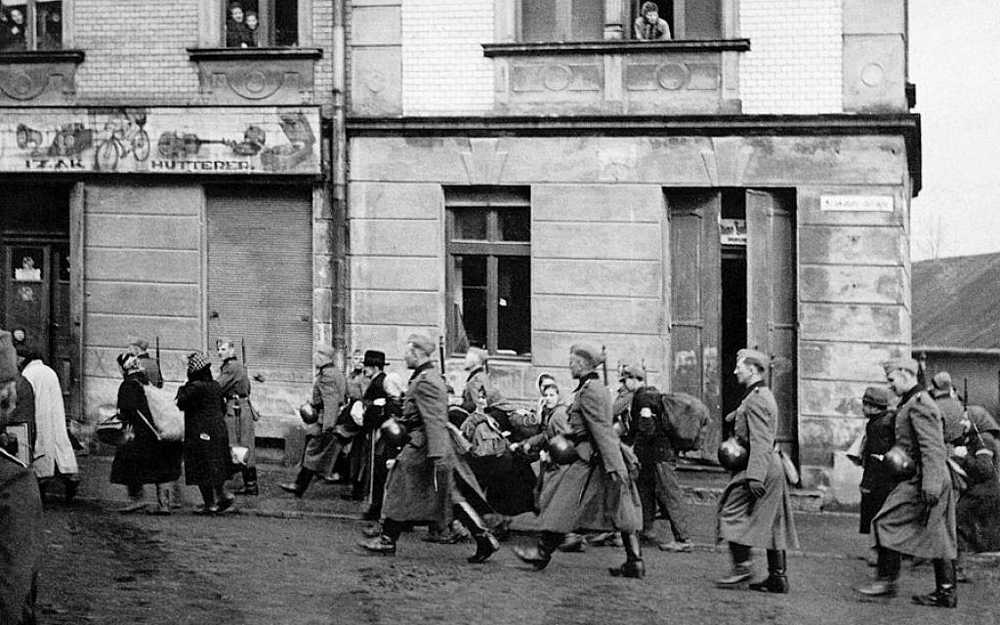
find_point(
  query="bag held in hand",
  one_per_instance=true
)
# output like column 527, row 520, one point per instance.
column 167, row 417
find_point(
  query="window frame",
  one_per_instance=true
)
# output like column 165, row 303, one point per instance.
column 31, row 28
column 563, row 19
column 493, row 201
column 212, row 19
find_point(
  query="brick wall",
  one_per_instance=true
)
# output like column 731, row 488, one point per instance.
column 137, row 51
column 444, row 71
column 795, row 62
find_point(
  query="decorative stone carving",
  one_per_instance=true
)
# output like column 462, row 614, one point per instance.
column 566, row 76
column 672, row 76
column 39, row 77
column 264, row 76
column 484, row 161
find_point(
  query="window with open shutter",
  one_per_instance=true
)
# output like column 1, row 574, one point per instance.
column 260, row 276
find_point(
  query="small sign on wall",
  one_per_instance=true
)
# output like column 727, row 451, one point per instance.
column 733, row 231
column 856, row 203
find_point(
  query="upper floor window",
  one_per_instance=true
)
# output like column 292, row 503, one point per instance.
column 561, row 20
column 489, row 270
column 30, row 25
column 262, row 23
column 686, row 19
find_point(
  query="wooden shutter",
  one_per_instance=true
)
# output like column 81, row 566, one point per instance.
column 771, row 304
column 260, row 276
column 694, row 301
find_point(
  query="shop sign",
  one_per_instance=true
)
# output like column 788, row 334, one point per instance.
column 856, row 203
column 162, row 140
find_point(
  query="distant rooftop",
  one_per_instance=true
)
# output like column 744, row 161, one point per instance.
column 956, row 303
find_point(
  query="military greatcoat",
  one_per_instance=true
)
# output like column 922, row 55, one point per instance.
column 583, row 494
column 765, row 522
column 20, row 540
column 412, row 494
column 240, row 413
column 905, row 523
column 324, row 446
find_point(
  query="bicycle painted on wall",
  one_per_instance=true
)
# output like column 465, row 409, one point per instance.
column 124, row 134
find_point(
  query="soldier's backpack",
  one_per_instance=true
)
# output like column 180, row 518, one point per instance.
column 686, row 419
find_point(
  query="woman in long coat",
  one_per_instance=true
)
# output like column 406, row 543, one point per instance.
column 207, row 459
column 597, row 490
column 145, row 459
column 755, row 509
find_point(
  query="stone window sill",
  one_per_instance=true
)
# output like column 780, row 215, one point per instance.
column 42, row 56
column 253, row 54
column 615, row 46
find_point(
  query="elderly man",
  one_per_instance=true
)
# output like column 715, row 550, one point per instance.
column 596, row 489
column 755, row 509
column 20, row 512
column 429, row 480
column 918, row 517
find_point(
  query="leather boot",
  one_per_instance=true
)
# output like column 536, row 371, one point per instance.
column 741, row 572
column 777, row 579
column 249, row 483
column 633, row 566
column 385, row 543
column 887, row 568
column 486, row 542
column 162, row 499
column 301, row 483
column 540, row 555
column 945, row 593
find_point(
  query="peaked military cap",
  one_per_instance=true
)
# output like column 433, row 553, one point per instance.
column 592, row 354
column 422, row 342
column 906, row 364
column 754, row 357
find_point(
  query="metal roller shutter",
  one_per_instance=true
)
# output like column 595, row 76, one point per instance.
column 260, row 276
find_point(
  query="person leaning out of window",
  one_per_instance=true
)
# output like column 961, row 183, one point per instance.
column 649, row 26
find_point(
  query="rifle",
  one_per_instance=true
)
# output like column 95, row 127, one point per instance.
column 441, row 351
column 965, row 393
column 604, row 363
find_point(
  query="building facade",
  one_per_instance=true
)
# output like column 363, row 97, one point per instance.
column 524, row 174
column 166, row 175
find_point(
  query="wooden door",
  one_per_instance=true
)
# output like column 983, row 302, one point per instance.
column 772, row 311
column 694, row 303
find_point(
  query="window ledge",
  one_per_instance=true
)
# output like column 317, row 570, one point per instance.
column 253, row 54
column 615, row 46
column 42, row 56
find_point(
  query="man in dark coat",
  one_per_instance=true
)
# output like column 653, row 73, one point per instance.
column 240, row 413
column 755, row 509
column 382, row 399
column 20, row 512
column 918, row 517
column 596, row 490
column 430, row 480
column 323, row 445
column 658, row 483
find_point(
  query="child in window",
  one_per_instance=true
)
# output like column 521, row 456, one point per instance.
column 252, row 23
column 236, row 27
column 649, row 26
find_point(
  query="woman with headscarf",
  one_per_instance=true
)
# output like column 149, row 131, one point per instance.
column 207, row 459
column 145, row 459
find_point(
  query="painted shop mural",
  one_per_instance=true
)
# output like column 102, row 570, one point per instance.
column 162, row 140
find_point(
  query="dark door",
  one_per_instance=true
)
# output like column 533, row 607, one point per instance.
column 36, row 298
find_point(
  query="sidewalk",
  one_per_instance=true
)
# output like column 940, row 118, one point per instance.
column 821, row 534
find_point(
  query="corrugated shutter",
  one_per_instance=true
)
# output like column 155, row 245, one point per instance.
column 260, row 276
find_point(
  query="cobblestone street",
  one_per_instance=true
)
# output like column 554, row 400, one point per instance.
column 244, row 568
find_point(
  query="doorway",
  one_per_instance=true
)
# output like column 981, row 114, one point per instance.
column 35, row 293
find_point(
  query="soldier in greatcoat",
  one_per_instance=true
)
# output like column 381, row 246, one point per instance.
column 918, row 517
column 430, row 481
column 323, row 446
column 20, row 512
column 755, row 509
column 477, row 379
column 596, row 490
column 240, row 413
